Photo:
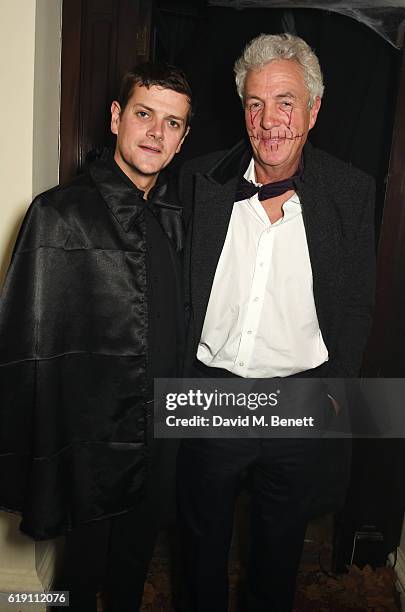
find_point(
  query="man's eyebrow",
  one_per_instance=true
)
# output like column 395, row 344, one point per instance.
column 175, row 117
column 253, row 96
column 152, row 110
column 148, row 108
column 287, row 94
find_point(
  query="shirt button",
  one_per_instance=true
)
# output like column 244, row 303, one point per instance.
column 256, row 299
column 261, row 264
column 241, row 363
column 250, row 331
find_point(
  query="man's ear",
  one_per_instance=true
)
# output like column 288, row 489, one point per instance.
column 183, row 139
column 314, row 112
column 115, row 116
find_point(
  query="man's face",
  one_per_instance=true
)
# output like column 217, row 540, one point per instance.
column 277, row 116
column 150, row 131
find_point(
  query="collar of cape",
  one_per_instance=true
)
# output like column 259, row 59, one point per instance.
column 126, row 202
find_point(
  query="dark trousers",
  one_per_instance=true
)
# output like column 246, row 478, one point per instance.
column 112, row 556
column 282, row 475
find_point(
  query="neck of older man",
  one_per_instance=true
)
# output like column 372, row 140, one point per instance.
column 274, row 206
column 266, row 173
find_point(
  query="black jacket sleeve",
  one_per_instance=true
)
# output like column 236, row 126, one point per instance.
column 358, row 301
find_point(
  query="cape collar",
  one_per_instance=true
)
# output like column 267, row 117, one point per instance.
column 123, row 198
column 126, row 201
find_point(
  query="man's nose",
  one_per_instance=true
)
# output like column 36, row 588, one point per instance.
column 270, row 117
column 155, row 130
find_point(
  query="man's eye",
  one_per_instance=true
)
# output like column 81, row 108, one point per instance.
column 174, row 124
column 142, row 114
column 254, row 105
column 286, row 104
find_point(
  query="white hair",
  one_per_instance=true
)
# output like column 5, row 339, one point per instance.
column 268, row 47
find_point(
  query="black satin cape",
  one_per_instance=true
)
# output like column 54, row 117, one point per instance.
column 73, row 353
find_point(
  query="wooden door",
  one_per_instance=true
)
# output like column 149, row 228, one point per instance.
column 101, row 39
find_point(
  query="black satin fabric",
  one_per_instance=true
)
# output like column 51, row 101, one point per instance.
column 73, row 355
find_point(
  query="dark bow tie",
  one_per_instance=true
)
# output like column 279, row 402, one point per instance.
column 246, row 189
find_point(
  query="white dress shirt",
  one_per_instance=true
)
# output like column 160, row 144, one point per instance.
column 261, row 319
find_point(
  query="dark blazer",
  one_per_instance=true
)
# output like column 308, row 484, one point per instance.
column 337, row 202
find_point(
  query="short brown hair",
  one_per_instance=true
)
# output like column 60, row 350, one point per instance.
column 163, row 75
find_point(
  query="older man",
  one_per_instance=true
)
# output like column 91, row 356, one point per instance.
column 281, row 284
column 91, row 312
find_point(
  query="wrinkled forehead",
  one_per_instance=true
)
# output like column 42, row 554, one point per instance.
column 275, row 78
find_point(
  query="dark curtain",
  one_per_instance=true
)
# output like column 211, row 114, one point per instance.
column 360, row 70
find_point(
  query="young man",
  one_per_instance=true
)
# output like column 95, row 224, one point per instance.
column 91, row 312
column 281, row 268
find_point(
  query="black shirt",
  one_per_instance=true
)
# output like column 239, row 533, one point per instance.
column 165, row 308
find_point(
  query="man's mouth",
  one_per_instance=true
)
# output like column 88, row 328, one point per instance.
column 279, row 136
column 150, row 149
column 274, row 141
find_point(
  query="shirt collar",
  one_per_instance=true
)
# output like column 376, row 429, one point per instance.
column 250, row 174
column 291, row 206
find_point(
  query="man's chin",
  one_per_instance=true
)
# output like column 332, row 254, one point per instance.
column 148, row 169
column 151, row 169
column 274, row 159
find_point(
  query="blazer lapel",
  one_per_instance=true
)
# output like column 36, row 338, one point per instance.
column 322, row 231
column 212, row 212
column 213, row 203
